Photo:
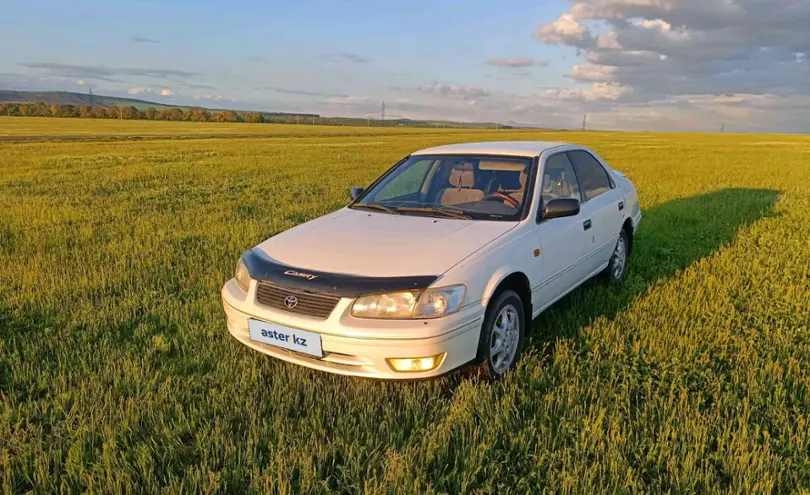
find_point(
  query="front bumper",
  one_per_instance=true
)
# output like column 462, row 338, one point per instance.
column 360, row 347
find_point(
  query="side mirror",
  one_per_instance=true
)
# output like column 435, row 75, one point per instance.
column 355, row 192
column 558, row 208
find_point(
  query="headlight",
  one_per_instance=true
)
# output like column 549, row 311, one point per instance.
column 393, row 305
column 432, row 303
column 440, row 302
column 242, row 276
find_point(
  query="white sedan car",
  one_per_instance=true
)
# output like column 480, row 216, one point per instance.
column 443, row 261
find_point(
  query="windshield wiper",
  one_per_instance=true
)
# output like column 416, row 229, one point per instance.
column 436, row 211
column 373, row 206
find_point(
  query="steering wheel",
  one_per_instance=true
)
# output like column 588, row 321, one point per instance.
column 502, row 196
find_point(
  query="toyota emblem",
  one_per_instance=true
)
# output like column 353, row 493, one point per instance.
column 291, row 301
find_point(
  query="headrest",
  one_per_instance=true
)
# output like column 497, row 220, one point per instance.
column 555, row 174
column 463, row 174
column 510, row 181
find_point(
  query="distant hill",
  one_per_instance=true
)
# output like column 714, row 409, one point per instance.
column 71, row 98
column 82, row 99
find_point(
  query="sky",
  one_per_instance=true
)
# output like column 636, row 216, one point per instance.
column 673, row 65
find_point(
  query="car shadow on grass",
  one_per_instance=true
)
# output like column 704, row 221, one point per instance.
column 671, row 237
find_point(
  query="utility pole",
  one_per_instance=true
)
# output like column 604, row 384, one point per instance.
column 722, row 127
column 382, row 111
column 313, row 120
column 91, row 97
column 585, row 122
column 296, row 118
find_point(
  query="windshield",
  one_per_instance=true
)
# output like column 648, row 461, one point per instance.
column 453, row 186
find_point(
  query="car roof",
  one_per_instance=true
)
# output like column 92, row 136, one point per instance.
column 507, row 148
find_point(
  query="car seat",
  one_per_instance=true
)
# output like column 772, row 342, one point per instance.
column 555, row 185
column 462, row 178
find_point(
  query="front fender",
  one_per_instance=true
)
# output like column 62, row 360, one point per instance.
column 483, row 272
column 494, row 281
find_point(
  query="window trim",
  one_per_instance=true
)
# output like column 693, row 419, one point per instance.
column 598, row 162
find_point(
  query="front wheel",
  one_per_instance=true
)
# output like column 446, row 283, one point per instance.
column 502, row 335
column 617, row 267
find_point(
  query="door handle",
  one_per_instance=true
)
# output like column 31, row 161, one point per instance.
column 587, row 224
column 621, row 205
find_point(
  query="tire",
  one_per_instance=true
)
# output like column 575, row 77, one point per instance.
column 512, row 338
column 617, row 266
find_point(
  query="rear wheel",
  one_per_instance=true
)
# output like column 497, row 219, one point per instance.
column 617, row 267
column 502, row 335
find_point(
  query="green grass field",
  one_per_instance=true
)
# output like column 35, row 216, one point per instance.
column 117, row 373
column 76, row 128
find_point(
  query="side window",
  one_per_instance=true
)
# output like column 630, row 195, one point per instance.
column 559, row 179
column 405, row 183
column 592, row 176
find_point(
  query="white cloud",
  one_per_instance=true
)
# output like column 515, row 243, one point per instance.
column 704, row 61
column 594, row 73
column 348, row 100
column 458, row 91
column 608, row 41
column 146, row 92
column 350, row 57
column 517, row 62
column 566, row 30
column 210, row 97
column 597, row 92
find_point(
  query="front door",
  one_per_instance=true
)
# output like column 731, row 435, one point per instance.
column 564, row 242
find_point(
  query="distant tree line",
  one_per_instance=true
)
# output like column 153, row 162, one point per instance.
column 194, row 114
column 39, row 109
column 197, row 114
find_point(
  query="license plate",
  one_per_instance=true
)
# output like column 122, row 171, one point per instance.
column 286, row 337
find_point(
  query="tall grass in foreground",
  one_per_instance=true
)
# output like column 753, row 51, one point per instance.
column 117, row 372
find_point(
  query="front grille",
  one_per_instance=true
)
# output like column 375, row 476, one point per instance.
column 310, row 304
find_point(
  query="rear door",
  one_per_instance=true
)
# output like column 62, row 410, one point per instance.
column 603, row 202
column 564, row 241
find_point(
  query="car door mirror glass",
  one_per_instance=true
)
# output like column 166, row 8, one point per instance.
column 355, row 192
column 563, row 207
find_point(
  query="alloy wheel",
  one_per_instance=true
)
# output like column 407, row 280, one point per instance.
column 504, row 338
column 619, row 258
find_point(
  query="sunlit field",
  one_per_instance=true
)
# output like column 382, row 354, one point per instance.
column 40, row 127
column 117, row 372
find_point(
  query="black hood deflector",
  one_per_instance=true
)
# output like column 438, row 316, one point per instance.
column 262, row 268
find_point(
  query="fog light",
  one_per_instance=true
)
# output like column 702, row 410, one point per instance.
column 416, row 364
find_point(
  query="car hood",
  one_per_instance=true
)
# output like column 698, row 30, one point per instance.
column 380, row 244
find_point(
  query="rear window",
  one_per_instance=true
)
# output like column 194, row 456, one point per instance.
column 592, row 177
